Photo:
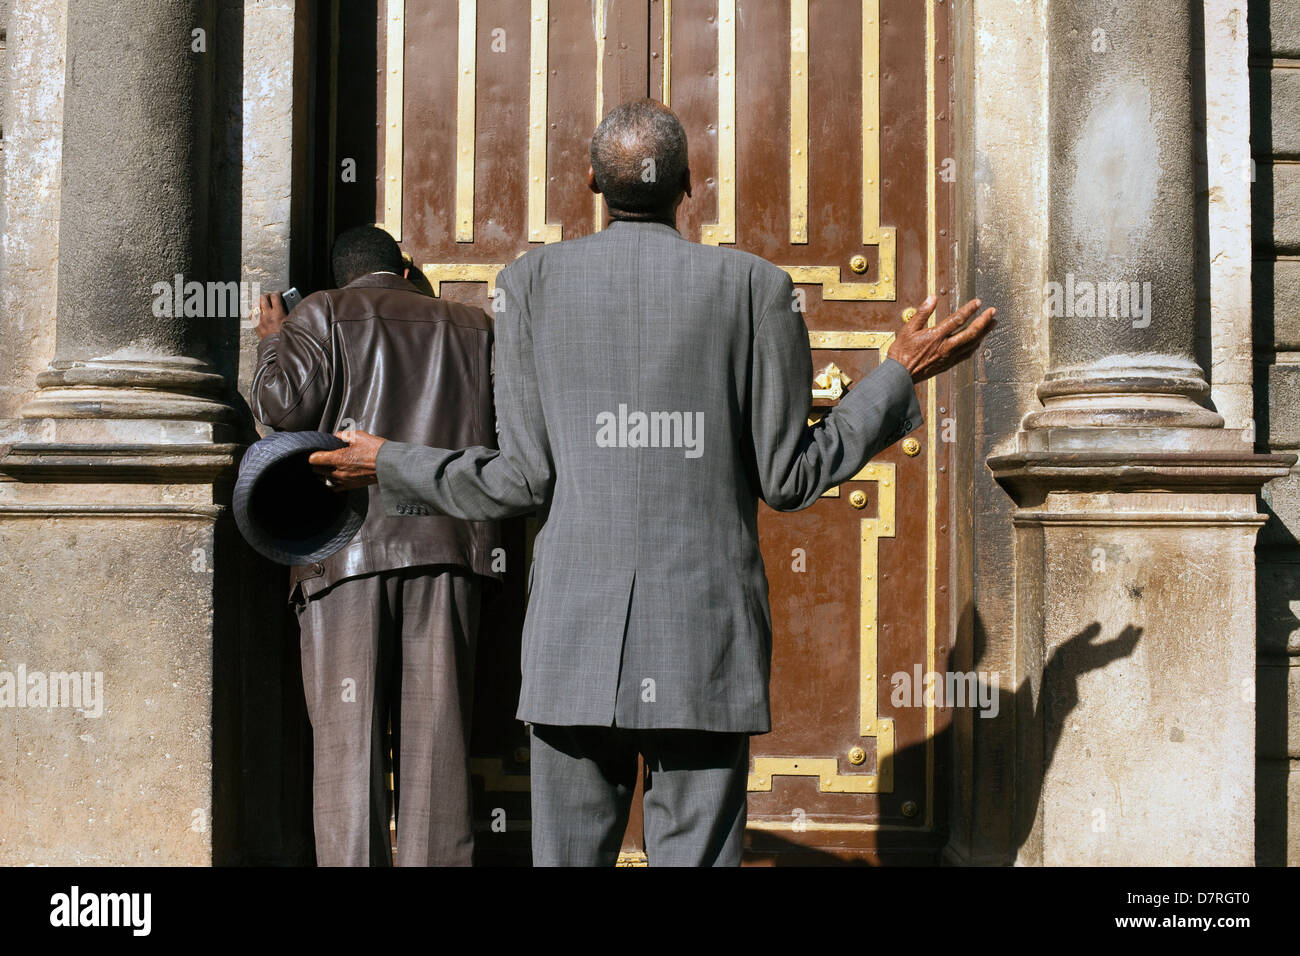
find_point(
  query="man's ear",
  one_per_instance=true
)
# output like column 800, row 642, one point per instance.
column 406, row 272
column 591, row 181
column 686, row 180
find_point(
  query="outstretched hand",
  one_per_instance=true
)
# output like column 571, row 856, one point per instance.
column 350, row 467
column 925, row 352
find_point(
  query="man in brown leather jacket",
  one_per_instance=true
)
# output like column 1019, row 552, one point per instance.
column 389, row 623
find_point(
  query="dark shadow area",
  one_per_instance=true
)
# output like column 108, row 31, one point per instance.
column 261, row 773
column 1277, row 552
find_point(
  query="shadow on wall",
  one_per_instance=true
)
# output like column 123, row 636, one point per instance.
column 1031, row 720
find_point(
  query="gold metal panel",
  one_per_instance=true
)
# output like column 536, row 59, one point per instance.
column 835, row 289
column 668, row 51
column 601, row 14
column 539, row 230
column 798, row 121
column 463, row 272
column 394, row 103
column 466, row 75
column 724, row 230
column 873, row 233
column 870, row 723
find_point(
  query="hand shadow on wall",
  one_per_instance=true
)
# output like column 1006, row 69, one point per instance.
column 1036, row 722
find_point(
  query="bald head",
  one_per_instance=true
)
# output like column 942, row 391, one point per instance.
column 638, row 158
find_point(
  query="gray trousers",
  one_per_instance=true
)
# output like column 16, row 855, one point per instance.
column 394, row 647
column 583, row 779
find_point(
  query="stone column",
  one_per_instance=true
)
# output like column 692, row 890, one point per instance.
column 1136, row 512
column 1122, row 271
column 111, row 482
column 133, row 216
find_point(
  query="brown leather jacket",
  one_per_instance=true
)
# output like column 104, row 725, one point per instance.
column 380, row 356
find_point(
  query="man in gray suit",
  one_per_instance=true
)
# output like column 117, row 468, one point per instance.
column 649, row 391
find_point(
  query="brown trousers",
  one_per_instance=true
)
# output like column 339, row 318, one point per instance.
column 394, row 648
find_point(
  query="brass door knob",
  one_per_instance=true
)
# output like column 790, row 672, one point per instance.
column 858, row 499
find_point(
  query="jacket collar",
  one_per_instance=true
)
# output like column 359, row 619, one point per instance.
column 650, row 225
column 381, row 280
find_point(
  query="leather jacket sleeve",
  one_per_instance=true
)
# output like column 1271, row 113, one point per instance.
column 294, row 370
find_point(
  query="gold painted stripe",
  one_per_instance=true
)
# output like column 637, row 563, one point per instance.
column 852, row 340
column 834, row 289
column 668, row 51
column 439, row 273
column 394, row 101
column 932, row 476
column 724, row 230
column 539, row 230
column 798, row 121
column 871, row 724
column 873, row 233
column 466, row 74
column 785, row 826
column 873, row 529
column 600, row 28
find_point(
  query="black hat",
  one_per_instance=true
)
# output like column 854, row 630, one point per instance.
column 283, row 508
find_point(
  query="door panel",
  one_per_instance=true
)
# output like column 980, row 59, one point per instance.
column 817, row 131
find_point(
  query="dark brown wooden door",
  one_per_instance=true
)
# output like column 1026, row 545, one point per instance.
column 819, row 140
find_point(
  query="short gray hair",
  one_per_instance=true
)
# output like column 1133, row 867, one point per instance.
column 638, row 154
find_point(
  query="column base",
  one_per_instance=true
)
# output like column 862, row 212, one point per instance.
column 111, row 500
column 1125, row 392
column 1135, row 584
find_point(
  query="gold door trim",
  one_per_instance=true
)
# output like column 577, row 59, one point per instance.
column 724, row 230
column 799, row 122
column 873, row 233
column 599, row 25
column 462, row 272
column 539, row 230
column 870, row 723
column 394, row 105
column 466, row 79
column 668, row 52
column 835, row 289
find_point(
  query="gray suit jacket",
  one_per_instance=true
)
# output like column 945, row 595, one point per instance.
column 649, row 390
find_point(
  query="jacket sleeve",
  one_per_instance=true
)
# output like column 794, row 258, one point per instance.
column 483, row 484
column 292, row 382
column 796, row 462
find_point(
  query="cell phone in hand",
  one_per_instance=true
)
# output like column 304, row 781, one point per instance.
column 291, row 298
